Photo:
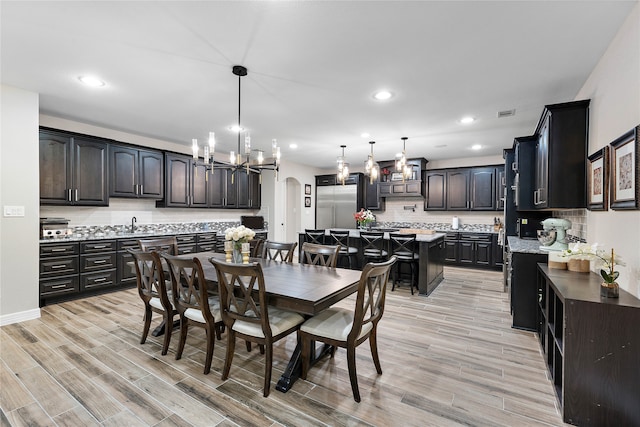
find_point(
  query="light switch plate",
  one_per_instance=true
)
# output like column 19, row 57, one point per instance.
column 14, row 211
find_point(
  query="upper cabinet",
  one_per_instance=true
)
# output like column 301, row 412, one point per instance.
column 461, row 189
column 136, row 173
column 73, row 169
column 524, row 165
column 560, row 156
column 392, row 185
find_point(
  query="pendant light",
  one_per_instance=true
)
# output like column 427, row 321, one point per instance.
column 371, row 168
column 343, row 167
column 401, row 163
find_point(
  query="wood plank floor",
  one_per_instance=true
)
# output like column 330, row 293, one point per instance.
column 448, row 359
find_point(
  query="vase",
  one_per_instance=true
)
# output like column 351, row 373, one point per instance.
column 236, row 256
column 610, row 290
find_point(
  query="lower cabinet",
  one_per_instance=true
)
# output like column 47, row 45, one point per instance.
column 524, row 289
column 97, row 264
column 470, row 249
column 59, row 267
column 590, row 345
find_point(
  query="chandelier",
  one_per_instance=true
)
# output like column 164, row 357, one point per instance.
column 241, row 159
column 371, row 168
column 401, row 162
column 343, row 167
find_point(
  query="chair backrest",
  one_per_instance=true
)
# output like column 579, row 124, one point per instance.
column 188, row 286
column 324, row 255
column 372, row 243
column 340, row 238
column 370, row 298
column 150, row 277
column 278, row 251
column 160, row 244
column 242, row 294
column 314, row 236
column 402, row 244
column 256, row 247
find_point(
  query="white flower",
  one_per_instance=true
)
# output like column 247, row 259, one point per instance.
column 239, row 234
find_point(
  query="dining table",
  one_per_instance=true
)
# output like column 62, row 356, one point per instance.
column 302, row 288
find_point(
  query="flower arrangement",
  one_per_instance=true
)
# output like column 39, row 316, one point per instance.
column 239, row 235
column 364, row 217
column 603, row 260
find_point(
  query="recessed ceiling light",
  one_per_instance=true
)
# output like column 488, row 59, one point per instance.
column 236, row 128
column 365, row 135
column 92, row 81
column 476, row 147
column 293, row 145
column 382, row 95
column 467, row 120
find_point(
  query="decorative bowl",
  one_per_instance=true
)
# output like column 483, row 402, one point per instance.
column 547, row 237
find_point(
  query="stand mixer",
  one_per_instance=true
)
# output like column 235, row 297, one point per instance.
column 553, row 235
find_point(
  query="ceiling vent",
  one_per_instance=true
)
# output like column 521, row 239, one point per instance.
column 506, row 113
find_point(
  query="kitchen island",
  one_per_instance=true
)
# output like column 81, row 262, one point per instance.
column 431, row 253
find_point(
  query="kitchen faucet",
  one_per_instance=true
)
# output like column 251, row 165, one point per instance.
column 133, row 221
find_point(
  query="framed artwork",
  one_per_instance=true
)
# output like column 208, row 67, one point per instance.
column 598, row 180
column 307, row 202
column 625, row 172
column 307, row 189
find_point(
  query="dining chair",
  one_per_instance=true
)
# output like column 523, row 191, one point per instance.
column 167, row 244
column 278, row 251
column 315, row 236
column 373, row 246
column 404, row 247
column 342, row 327
column 347, row 250
column 154, row 292
column 324, row 255
column 195, row 304
column 255, row 246
column 243, row 304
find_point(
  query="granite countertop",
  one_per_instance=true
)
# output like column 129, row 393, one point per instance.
column 419, row 237
column 525, row 246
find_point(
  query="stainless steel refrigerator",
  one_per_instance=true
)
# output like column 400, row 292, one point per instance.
column 336, row 205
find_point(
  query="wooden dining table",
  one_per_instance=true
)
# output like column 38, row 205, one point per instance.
column 302, row 288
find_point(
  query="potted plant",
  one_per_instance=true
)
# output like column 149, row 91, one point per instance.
column 607, row 263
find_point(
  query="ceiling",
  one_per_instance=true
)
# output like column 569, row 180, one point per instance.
column 313, row 68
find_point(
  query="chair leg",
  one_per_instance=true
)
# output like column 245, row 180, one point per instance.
column 412, row 266
column 373, row 343
column 184, row 327
column 168, row 329
column 231, row 344
column 268, row 360
column 211, row 341
column 147, row 323
column 394, row 271
column 305, row 353
column 351, row 363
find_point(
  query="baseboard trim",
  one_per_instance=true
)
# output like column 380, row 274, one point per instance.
column 21, row 316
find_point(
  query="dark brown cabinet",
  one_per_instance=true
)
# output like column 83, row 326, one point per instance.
column 475, row 249
column 524, row 167
column 560, row 160
column 436, row 191
column 482, row 189
column 589, row 345
column 458, row 189
column 97, row 264
column 136, row 173
column 412, row 187
column 59, row 266
column 73, row 170
column 501, row 187
column 373, row 200
column 248, row 189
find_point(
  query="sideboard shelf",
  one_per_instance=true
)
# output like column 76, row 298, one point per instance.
column 592, row 348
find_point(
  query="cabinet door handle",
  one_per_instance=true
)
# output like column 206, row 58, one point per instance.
column 58, row 286
column 59, row 250
column 100, row 279
column 55, row 267
column 100, row 247
column 140, row 192
column 69, row 195
column 76, row 194
column 100, row 261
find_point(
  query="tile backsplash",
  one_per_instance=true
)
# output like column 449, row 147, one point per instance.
column 411, row 210
column 578, row 218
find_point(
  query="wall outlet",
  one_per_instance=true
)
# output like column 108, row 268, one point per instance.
column 14, row 211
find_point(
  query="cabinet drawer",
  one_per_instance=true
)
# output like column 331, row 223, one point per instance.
column 207, row 247
column 58, row 249
column 476, row 237
column 59, row 266
column 98, row 246
column 186, row 249
column 63, row 285
column 97, row 280
column 123, row 245
column 189, row 238
column 97, row 262
column 207, row 238
column 451, row 236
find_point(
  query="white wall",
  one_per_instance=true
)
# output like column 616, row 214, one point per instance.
column 614, row 90
column 19, row 186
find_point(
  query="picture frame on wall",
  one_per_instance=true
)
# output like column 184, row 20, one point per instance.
column 307, row 189
column 307, row 202
column 598, row 180
column 625, row 171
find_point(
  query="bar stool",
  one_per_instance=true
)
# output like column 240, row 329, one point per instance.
column 403, row 246
column 373, row 246
column 314, row 236
column 342, row 239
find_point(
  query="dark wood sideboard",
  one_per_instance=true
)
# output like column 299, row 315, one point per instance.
column 592, row 348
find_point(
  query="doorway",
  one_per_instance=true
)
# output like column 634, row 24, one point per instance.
column 292, row 217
